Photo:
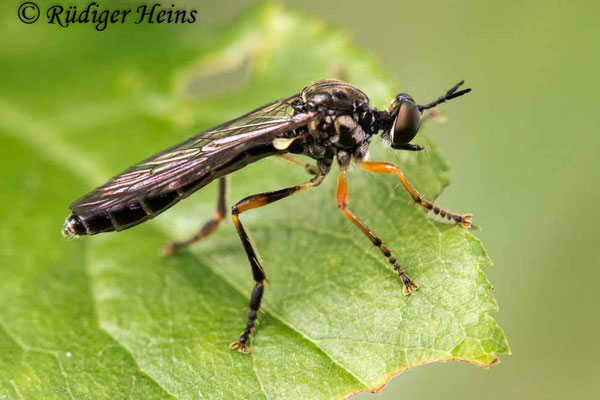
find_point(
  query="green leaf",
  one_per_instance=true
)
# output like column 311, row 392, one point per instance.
column 108, row 316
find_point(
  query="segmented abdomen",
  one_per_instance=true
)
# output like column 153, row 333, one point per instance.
column 123, row 218
column 147, row 207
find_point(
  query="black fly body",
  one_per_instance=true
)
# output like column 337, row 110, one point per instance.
column 329, row 120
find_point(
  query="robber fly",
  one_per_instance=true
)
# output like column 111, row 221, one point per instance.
column 328, row 120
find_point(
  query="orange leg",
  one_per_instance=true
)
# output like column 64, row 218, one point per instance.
column 387, row 168
column 342, row 202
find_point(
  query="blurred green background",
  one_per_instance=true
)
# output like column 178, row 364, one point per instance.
column 524, row 163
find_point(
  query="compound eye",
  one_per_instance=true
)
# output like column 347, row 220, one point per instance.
column 407, row 123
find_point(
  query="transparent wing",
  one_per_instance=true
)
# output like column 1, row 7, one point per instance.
column 189, row 161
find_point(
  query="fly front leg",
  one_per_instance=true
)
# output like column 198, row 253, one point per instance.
column 209, row 227
column 387, row 168
column 258, row 273
column 342, row 202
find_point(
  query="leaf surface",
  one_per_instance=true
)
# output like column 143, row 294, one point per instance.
column 108, row 316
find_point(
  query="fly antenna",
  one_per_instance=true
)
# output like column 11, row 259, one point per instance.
column 449, row 95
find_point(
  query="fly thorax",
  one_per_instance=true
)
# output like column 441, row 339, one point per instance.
column 317, row 151
column 361, row 152
column 322, row 128
column 344, row 158
column 348, row 133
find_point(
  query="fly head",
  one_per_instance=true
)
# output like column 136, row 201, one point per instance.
column 406, row 115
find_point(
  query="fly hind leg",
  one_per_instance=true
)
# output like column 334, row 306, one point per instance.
column 310, row 168
column 209, row 227
column 258, row 273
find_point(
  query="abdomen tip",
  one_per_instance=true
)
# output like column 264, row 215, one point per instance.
column 74, row 226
